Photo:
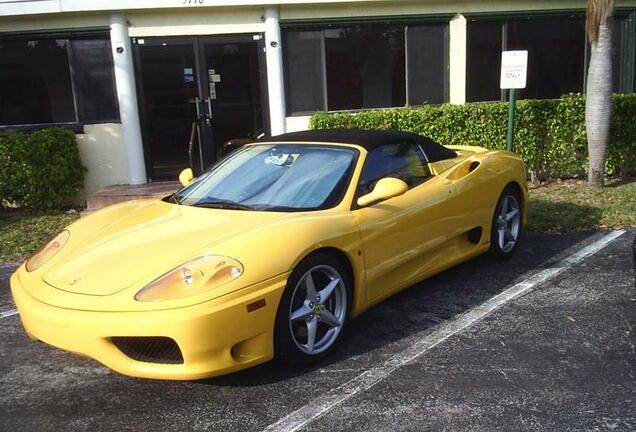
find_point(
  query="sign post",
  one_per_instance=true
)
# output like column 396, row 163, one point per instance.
column 512, row 105
column 514, row 71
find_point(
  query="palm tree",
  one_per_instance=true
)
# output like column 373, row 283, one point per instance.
column 598, row 106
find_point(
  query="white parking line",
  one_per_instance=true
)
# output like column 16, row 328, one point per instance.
column 325, row 403
column 8, row 313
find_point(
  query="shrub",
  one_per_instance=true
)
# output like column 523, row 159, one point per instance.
column 40, row 169
column 549, row 134
column 621, row 154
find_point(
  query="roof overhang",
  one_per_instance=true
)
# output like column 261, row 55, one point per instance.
column 29, row 7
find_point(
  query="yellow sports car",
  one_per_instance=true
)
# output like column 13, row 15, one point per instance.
column 269, row 253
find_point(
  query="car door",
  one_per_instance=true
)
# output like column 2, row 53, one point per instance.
column 398, row 234
column 477, row 188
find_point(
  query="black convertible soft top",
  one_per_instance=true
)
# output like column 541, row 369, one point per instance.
column 369, row 139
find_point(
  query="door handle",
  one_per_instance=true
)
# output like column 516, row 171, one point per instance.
column 209, row 103
column 197, row 102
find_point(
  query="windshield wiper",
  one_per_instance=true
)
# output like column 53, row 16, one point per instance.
column 173, row 198
column 223, row 204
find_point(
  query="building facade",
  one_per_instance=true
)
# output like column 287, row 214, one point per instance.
column 152, row 86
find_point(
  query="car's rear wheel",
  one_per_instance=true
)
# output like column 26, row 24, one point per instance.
column 313, row 310
column 506, row 224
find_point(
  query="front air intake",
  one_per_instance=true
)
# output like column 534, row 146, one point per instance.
column 152, row 349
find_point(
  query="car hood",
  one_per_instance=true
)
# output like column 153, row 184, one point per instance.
column 139, row 241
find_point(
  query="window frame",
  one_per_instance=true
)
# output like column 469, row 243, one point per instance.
column 325, row 24
column 630, row 58
column 68, row 35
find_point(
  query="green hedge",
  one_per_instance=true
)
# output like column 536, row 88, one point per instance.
column 40, row 169
column 549, row 134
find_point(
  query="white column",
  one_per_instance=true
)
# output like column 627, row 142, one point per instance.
column 457, row 30
column 127, row 96
column 275, row 82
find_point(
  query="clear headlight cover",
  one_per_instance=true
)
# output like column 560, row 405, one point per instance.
column 47, row 251
column 192, row 278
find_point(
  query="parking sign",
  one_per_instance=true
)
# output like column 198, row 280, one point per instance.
column 514, row 69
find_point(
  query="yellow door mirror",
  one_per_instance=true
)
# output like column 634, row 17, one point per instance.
column 384, row 189
column 186, row 176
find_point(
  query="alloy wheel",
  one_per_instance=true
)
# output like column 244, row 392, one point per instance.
column 508, row 223
column 318, row 309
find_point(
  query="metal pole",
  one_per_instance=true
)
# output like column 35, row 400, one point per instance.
column 511, row 119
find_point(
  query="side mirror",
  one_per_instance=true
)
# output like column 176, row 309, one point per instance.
column 186, row 176
column 384, row 189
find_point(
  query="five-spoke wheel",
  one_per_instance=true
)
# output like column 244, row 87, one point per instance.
column 313, row 310
column 318, row 309
column 506, row 225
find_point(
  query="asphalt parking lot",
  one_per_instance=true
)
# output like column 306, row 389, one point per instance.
column 562, row 356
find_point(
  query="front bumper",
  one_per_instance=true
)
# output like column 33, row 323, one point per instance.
column 216, row 337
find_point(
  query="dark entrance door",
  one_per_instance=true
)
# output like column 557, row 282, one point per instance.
column 207, row 90
column 233, row 76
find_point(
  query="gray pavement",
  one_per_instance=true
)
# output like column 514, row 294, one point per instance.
column 562, row 357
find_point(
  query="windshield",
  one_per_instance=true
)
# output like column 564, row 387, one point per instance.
column 276, row 177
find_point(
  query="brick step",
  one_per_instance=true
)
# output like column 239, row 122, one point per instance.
column 120, row 193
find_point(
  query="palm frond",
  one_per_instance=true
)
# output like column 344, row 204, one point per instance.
column 598, row 12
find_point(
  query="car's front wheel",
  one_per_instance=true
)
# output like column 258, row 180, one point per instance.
column 506, row 224
column 313, row 310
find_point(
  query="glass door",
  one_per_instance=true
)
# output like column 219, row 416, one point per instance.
column 168, row 90
column 195, row 94
column 233, row 78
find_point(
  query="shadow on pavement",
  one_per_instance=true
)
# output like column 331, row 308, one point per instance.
column 545, row 214
column 421, row 307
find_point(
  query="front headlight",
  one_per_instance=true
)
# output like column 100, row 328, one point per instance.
column 47, row 252
column 194, row 277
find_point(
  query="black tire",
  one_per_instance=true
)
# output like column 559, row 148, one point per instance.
column 497, row 251
column 287, row 332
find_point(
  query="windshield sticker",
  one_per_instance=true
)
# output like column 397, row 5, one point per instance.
column 278, row 159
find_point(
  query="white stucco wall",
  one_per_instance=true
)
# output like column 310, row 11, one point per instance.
column 311, row 10
column 457, row 59
column 102, row 151
column 297, row 123
column 197, row 21
column 25, row 23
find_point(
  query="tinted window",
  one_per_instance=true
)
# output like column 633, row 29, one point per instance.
column 365, row 66
column 94, row 80
column 620, row 54
column 483, row 61
column 556, row 55
column 404, row 161
column 362, row 66
column 427, row 64
column 35, row 83
column 304, row 71
column 56, row 80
